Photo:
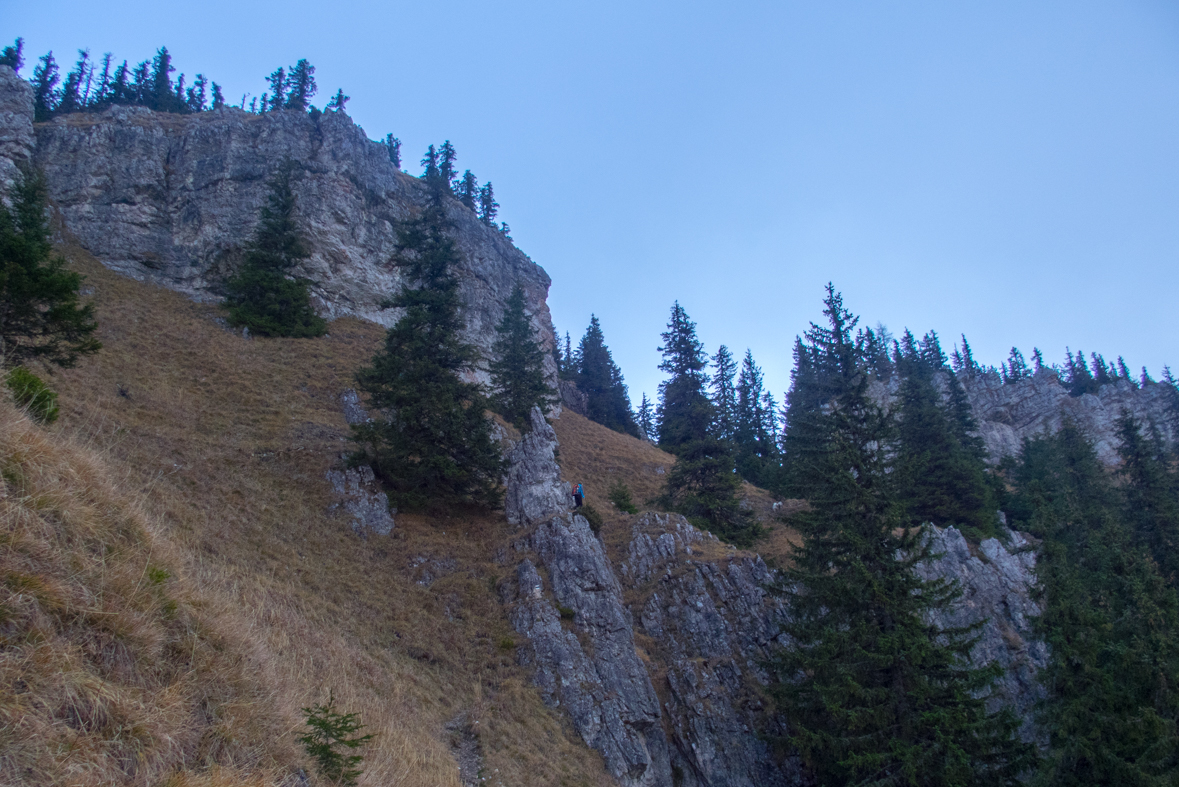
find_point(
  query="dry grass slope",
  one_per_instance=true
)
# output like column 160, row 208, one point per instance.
column 223, row 443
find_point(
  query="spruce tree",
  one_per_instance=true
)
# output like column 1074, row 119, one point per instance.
column 218, row 97
column 41, row 317
column 600, row 379
column 431, row 440
column 1151, row 492
column 301, row 86
column 338, row 102
column 1110, row 621
column 646, row 419
column 724, row 395
column 430, row 162
column 278, row 90
column 517, row 372
column 701, row 485
column 876, row 693
column 394, row 145
column 162, row 97
column 45, row 79
column 263, row 296
column 468, row 191
column 756, row 452
column 13, row 56
column 488, row 207
column 446, row 169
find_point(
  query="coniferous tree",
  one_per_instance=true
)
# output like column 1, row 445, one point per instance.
column 162, row 97
column 701, row 485
column 1077, row 377
column 1110, row 622
column 197, row 97
column 488, row 207
column 568, row 370
column 724, row 395
column 941, row 472
column 646, row 419
column 13, row 56
column 517, row 372
column 338, row 101
column 263, row 296
column 394, row 145
column 45, row 79
column 431, row 442
column 756, row 453
column 446, row 169
column 301, row 86
column 41, row 317
column 218, row 97
column 73, row 98
column 1151, row 492
column 277, row 96
column 430, row 162
column 600, row 379
column 877, row 694
column 468, row 191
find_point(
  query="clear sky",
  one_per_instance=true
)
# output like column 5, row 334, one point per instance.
column 1007, row 170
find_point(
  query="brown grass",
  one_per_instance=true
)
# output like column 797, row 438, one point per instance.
column 224, row 442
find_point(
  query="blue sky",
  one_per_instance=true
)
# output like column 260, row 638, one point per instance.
column 1005, row 170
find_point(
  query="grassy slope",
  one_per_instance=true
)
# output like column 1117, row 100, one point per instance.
column 224, row 442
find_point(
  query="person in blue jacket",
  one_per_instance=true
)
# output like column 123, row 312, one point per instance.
column 578, row 495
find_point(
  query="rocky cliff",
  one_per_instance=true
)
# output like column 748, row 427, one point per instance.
column 172, row 199
column 658, row 657
column 1008, row 413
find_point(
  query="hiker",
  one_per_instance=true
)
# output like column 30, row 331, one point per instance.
column 578, row 495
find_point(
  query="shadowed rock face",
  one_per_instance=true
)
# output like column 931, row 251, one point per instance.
column 173, row 199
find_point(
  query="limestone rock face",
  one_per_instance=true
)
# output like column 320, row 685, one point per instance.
column 535, row 492
column 173, row 198
column 363, row 499
column 603, row 685
column 1006, row 414
column 997, row 586
column 16, row 124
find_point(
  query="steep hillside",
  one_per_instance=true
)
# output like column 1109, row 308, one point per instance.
column 226, row 443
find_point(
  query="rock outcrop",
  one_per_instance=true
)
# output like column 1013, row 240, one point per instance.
column 173, row 199
column 16, row 125
column 363, row 499
column 1008, row 413
column 535, row 492
column 997, row 585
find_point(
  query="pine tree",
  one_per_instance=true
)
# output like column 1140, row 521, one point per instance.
column 701, row 485
column 431, row 442
column 600, row 379
column 877, row 694
column 1077, row 377
column 755, row 451
column 724, row 395
column 218, row 97
column 73, row 97
column 517, row 373
column 45, row 79
column 569, row 369
column 197, row 98
column 468, row 190
column 430, row 162
column 1110, row 622
column 41, row 317
column 262, row 296
column 301, row 86
column 162, row 97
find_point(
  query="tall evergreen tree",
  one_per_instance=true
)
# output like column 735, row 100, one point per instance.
column 430, row 162
column 431, row 442
column 278, row 90
column 301, row 86
column 263, row 296
column 1110, row 622
column 517, row 371
column 940, row 467
column 600, row 379
column 394, row 145
column 338, row 102
column 162, row 97
column 756, row 452
column 877, row 694
column 468, row 191
column 218, row 97
column 724, row 395
column 488, row 207
column 646, row 419
column 41, row 317
column 446, row 159
column 701, row 485
column 45, row 79
column 1151, row 492
column 569, row 362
